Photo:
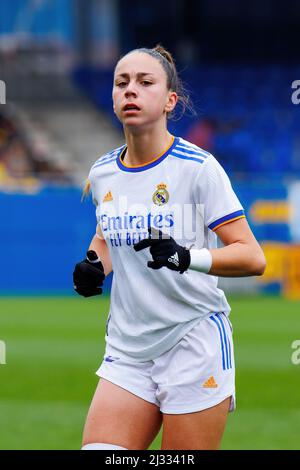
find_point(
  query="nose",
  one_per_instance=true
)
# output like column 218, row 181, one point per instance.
column 130, row 90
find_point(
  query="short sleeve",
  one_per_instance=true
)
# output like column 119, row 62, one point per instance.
column 92, row 187
column 214, row 191
column 95, row 202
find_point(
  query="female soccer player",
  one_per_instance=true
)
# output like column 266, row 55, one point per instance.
column 169, row 354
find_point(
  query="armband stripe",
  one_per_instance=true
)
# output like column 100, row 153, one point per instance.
column 226, row 219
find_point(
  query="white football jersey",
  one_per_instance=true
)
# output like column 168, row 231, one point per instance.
column 186, row 194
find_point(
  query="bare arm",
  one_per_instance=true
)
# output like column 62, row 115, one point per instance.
column 241, row 255
column 100, row 247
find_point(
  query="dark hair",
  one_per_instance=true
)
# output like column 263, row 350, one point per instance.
column 174, row 82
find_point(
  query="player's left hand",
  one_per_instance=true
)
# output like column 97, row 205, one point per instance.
column 165, row 251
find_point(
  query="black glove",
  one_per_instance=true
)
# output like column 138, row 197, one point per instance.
column 165, row 251
column 88, row 276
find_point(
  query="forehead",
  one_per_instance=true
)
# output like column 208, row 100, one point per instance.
column 139, row 62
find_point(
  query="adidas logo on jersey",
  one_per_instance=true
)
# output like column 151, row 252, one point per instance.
column 210, row 383
column 108, row 197
column 174, row 259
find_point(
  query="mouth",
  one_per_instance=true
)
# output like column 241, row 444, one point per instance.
column 131, row 107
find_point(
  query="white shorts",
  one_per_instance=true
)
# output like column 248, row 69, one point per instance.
column 196, row 374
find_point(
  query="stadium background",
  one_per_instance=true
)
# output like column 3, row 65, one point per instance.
column 240, row 62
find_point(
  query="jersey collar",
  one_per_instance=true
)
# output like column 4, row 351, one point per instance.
column 148, row 165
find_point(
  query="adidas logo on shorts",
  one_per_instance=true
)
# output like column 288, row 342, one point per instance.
column 210, row 383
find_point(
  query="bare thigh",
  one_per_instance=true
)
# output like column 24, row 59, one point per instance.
column 119, row 417
column 202, row 430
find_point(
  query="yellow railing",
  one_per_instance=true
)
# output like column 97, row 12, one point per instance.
column 283, row 267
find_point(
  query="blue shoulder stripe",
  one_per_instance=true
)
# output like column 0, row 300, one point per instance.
column 102, row 159
column 105, row 161
column 107, row 158
column 194, row 151
column 189, row 154
column 185, row 157
column 107, row 155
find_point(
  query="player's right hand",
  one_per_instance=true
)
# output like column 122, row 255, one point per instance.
column 88, row 276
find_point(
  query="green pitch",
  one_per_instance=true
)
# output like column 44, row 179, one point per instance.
column 54, row 346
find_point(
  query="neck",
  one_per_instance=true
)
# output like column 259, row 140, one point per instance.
column 142, row 147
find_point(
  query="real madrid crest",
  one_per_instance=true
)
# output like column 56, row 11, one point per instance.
column 161, row 195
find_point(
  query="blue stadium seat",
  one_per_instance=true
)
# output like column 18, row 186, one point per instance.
column 258, row 126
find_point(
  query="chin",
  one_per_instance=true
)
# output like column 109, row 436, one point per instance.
column 133, row 123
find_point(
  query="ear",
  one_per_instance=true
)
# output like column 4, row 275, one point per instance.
column 172, row 100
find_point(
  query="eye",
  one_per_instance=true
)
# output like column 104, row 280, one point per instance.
column 121, row 84
column 146, row 82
